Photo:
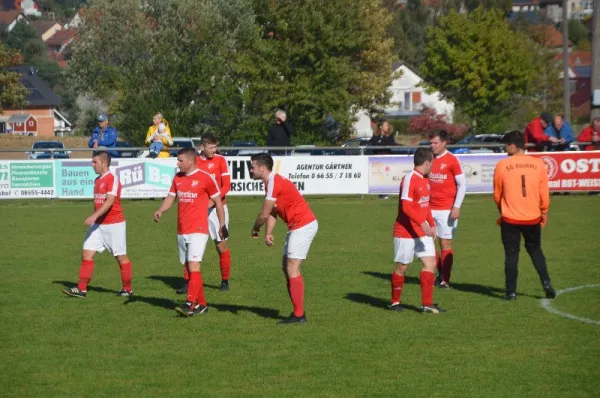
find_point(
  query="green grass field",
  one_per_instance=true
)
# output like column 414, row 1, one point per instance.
column 484, row 346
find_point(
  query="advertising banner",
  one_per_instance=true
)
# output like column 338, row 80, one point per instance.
column 572, row 171
column 26, row 179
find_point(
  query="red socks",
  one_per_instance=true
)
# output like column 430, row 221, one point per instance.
column 427, row 279
column 397, row 284
column 225, row 264
column 186, row 272
column 447, row 260
column 196, row 288
column 297, row 295
column 85, row 274
column 126, row 275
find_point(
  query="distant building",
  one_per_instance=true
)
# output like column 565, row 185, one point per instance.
column 39, row 116
column 46, row 29
column 28, row 7
column 408, row 99
column 9, row 18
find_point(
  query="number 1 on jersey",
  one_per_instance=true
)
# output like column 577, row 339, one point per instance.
column 523, row 185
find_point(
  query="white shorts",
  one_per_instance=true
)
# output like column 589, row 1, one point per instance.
column 446, row 228
column 405, row 249
column 213, row 222
column 297, row 242
column 191, row 247
column 107, row 236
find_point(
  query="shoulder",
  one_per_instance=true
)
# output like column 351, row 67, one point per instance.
column 181, row 174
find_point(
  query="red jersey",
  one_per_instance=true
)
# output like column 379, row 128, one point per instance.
column 219, row 170
column 193, row 191
column 289, row 203
column 442, row 179
column 413, row 206
column 586, row 135
column 534, row 134
column 108, row 184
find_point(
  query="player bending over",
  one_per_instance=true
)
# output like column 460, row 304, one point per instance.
column 284, row 200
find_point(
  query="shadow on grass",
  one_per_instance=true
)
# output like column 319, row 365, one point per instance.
column 69, row 284
column 160, row 302
column 268, row 313
column 361, row 298
column 176, row 282
column 483, row 290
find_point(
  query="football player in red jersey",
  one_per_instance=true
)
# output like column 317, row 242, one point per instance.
column 414, row 233
column 194, row 189
column 106, row 228
column 215, row 165
column 448, row 188
column 283, row 200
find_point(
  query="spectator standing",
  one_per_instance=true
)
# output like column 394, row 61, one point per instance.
column 562, row 131
column 387, row 138
column 534, row 133
column 104, row 136
column 376, row 137
column 591, row 134
column 280, row 133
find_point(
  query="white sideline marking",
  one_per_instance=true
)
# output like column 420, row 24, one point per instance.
column 546, row 304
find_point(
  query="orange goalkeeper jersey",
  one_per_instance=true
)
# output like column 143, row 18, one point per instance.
column 521, row 189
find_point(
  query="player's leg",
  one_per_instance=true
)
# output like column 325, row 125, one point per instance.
column 447, row 259
column 221, row 246
column 446, row 228
column 296, row 250
column 91, row 245
column 182, row 249
column 511, row 239
column 115, row 240
column 533, row 243
column 425, row 251
column 404, row 252
column 194, row 247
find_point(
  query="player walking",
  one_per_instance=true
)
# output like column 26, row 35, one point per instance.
column 106, row 229
column 216, row 166
column 448, row 188
column 414, row 233
column 284, row 200
column 194, row 189
column 522, row 195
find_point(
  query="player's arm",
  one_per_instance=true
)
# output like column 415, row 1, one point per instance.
column 461, row 190
column 225, row 177
column 167, row 202
column 544, row 195
column 537, row 132
column 110, row 199
column 498, row 187
column 263, row 216
column 271, row 221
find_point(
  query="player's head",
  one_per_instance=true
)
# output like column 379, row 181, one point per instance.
column 100, row 162
column 186, row 159
column 262, row 165
column 208, row 145
column 514, row 141
column 424, row 159
column 437, row 141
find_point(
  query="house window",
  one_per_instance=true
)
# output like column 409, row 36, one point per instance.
column 31, row 123
column 19, row 124
column 407, row 101
column 416, row 97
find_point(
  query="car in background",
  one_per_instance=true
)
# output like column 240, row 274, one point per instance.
column 37, row 150
column 127, row 154
column 479, row 139
column 312, row 150
column 178, row 143
column 243, row 151
column 354, row 146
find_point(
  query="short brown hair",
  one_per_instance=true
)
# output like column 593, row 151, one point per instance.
column 208, row 138
column 442, row 134
column 423, row 155
column 105, row 156
column 263, row 159
column 189, row 152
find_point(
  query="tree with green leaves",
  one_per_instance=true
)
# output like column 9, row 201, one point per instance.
column 478, row 62
column 577, row 31
column 12, row 91
column 21, row 34
column 226, row 65
column 408, row 29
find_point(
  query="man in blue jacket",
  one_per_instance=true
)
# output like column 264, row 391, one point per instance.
column 104, row 136
column 561, row 130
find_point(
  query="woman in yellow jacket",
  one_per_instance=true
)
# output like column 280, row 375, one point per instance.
column 159, row 137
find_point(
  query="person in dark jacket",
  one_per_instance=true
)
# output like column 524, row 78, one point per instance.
column 104, row 136
column 376, row 138
column 387, row 138
column 280, row 133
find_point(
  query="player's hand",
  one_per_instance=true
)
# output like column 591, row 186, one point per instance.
column 254, row 233
column 90, row 221
column 544, row 219
column 223, row 232
column 269, row 240
column 499, row 221
column 157, row 216
column 427, row 229
column 455, row 213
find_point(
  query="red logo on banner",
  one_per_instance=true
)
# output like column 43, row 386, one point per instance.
column 551, row 166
